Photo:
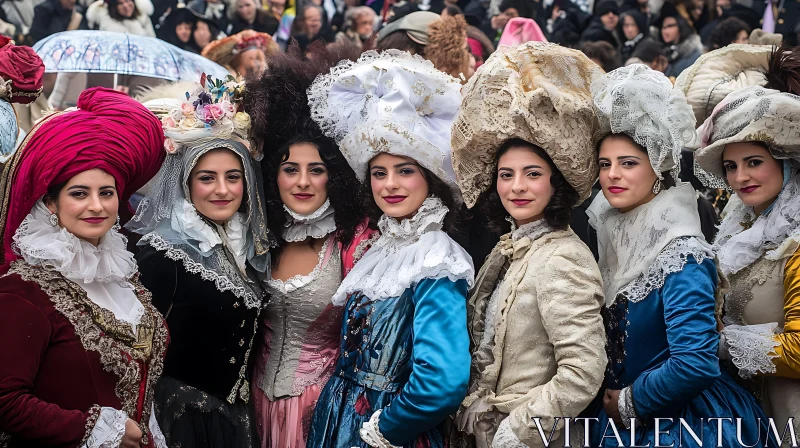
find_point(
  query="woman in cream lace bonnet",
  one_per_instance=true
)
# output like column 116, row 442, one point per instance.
column 658, row 272
column 535, row 309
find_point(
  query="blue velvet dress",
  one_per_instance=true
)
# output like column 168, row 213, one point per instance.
column 665, row 347
column 410, row 352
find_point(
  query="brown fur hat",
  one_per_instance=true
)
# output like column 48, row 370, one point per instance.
column 448, row 45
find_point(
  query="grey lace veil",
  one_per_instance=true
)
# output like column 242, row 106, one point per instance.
column 153, row 219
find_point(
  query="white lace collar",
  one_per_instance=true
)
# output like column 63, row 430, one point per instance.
column 532, row 230
column 315, row 225
column 638, row 249
column 407, row 252
column 774, row 235
column 40, row 243
column 186, row 221
column 430, row 216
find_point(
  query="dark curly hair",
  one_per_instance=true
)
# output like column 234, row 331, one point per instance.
column 558, row 211
column 726, row 31
column 437, row 188
column 278, row 104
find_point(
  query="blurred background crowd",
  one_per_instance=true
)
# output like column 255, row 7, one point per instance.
column 456, row 35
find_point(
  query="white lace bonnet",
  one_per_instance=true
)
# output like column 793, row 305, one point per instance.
column 390, row 102
column 720, row 72
column 641, row 103
column 537, row 92
column 753, row 114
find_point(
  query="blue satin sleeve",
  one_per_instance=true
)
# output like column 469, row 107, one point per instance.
column 688, row 298
column 441, row 360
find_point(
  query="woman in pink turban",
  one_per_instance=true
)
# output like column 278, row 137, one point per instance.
column 80, row 344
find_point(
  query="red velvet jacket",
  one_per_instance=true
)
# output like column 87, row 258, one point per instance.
column 62, row 358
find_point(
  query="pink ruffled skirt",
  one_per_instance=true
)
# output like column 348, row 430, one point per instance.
column 285, row 423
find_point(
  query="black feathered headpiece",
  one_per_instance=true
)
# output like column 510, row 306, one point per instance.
column 278, row 106
column 783, row 73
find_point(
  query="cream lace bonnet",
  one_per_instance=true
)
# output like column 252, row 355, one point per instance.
column 538, row 92
column 640, row 102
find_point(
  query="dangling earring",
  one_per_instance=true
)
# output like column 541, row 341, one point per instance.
column 116, row 226
column 657, row 186
column 53, row 220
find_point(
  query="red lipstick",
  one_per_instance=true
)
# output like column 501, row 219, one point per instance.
column 616, row 190
column 97, row 220
column 394, row 199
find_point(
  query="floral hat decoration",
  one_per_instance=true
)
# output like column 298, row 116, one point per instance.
column 212, row 110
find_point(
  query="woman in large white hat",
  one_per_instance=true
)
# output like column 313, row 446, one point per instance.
column 403, row 365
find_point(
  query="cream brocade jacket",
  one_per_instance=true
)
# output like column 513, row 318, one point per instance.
column 547, row 358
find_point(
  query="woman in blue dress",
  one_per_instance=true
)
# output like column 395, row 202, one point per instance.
column 660, row 280
column 404, row 361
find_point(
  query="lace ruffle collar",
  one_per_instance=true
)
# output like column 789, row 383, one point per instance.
column 407, row 252
column 40, row 243
column 430, row 216
column 743, row 237
column 638, row 249
column 186, row 221
column 532, row 230
column 315, row 225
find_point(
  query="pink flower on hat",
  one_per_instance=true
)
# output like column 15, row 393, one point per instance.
column 213, row 112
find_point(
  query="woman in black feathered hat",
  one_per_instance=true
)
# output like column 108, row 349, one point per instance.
column 315, row 208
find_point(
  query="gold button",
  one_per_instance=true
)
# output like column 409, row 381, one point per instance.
column 241, row 343
column 780, row 21
column 233, row 360
column 236, row 304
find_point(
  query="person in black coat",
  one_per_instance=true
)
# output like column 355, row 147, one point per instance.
column 178, row 28
column 604, row 26
column 313, row 27
column 566, row 22
column 55, row 16
column 786, row 14
column 635, row 30
column 216, row 10
column 249, row 16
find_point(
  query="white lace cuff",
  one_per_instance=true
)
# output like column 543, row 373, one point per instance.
column 505, row 437
column 722, row 350
column 627, row 412
column 155, row 431
column 372, row 435
column 108, row 430
column 751, row 347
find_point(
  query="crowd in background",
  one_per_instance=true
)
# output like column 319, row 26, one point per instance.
column 667, row 36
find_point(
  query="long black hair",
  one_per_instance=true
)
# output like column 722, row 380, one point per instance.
column 278, row 104
column 558, row 211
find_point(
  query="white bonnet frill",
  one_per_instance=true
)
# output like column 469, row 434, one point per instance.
column 390, row 102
